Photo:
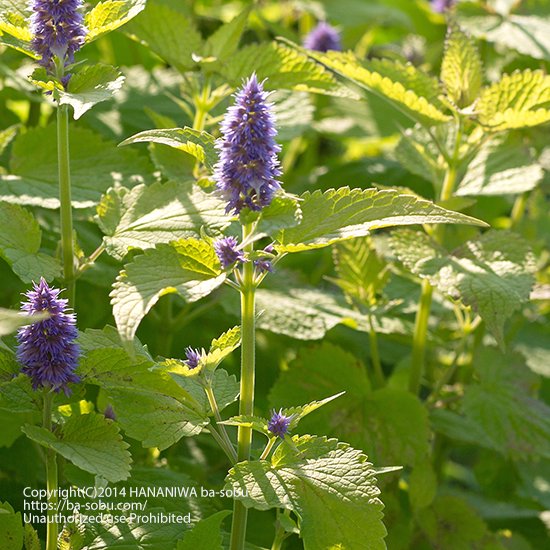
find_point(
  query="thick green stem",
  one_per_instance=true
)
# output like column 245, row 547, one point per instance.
column 378, row 374
column 246, row 404
column 51, row 477
column 65, row 200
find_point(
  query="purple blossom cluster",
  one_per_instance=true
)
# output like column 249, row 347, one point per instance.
column 441, row 6
column 279, row 423
column 47, row 349
column 248, row 168
column 192, row 357
column 322, row 38
column 228, row 252
column 57, row 29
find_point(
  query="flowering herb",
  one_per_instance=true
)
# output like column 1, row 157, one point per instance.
column 58, row 31
column 278, row 423
column 441, row 6
column 192, row 357
column 228, row 252
column 47, row 349
column 247, row 171
column 322, row 38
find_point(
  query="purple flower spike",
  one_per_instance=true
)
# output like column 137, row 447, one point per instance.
column 193, row 357
column 247, row 171
column 322, row 38
column 441, row 6
column 263, row 265
column 227, row 251
column 47, row 349
column 279, row 423
column 57, row 29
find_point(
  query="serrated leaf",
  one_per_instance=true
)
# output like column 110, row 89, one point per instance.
column 179, row 38
column 313, row 484
column 501, row 167
column 90, row 86
column 344, row 213
column 110, row 15
column 31, row 540
column 257, row 423
column 284, row 67
column 224, row 42
column 147, row 215
column 461, row 69
column 190, row 268
column 17, row 395
column 518, row 100
column 20, row 238
column 14, row 19
column 205, row 534
column 96, row 165
column 297, row 413
column 155, row 419
column 493, row 273
column 198, row 144
column 11, row 527
column 222, row 347
column 11, row 320
column 410, row 90
column 89, row 441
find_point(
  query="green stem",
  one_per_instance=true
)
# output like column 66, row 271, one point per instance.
column 378, row 373
column 280, row 536
column 419, row 337
column 518, row 210
column 246, row 404
column 230, row 450
column 65, row 200
column 268, row 447
column 51, row 477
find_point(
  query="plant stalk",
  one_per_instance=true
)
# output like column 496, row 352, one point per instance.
column 67, row 247
column 246, row 404
column 51, row 477
column 222, row 431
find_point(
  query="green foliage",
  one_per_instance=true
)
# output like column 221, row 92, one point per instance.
column 110, row 15
column 198, row 144
column 461, row 70
column 11, row 527
column 89, row 441
column 493, row 273
column 11, row 320
column 518, row 100
column 147, row 215
column 190, row 269
column 311, row 482
column 20, row 238
column 96, row 166
column 343, row 213
column 206, row 534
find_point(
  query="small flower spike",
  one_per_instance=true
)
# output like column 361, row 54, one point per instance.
column 322, row 38
column 193, row 357
column 57, row 29
column 247, row 172
column 47, row 349
column 279, row 423
column 227, row 251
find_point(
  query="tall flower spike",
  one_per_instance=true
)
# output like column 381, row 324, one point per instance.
column 227, row 251
column 279, row 423
column 247, row 171
column 47, row 349
column 322, row 38
column 57, row 29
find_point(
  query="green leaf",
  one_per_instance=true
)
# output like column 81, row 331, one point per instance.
column 503, row 406
column 147, row 215
column 198, row 144
column 179, row 39
column 11, row 429
column 301, row 411
column 90, row 86
column 313, row 483
column 222, row 347
column 518, row 100
column 461, row 69
column 361, row 273
column 422, row 485
column 7, row 135
column 493, row 273
column 190, row 268
column 224, row 42
column 11, row 528
column 17, row 395
column 96, row 165
column 89, row 441
column 32, row 542
column 501, row 167
column 20, row 238
column 284, row 67
column 406, row 87
column 11, row 320
column 14, row 21
column 110, row 15
column 205, row 534
column 344, row 213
